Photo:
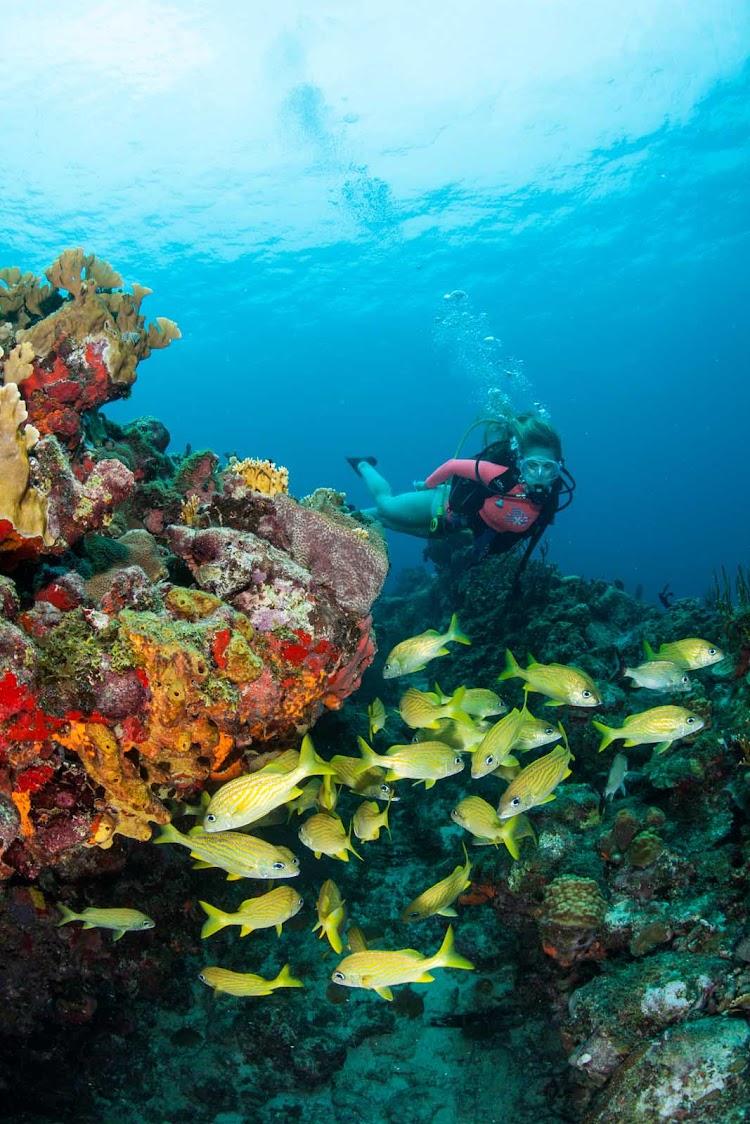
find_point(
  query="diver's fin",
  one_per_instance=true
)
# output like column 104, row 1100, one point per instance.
column 355, row 462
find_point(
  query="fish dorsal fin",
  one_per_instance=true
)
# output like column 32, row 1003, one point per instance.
column 532, row 660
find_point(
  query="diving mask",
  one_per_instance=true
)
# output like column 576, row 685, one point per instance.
column 539, row 470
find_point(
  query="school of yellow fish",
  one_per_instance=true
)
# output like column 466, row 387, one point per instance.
column 473, row 722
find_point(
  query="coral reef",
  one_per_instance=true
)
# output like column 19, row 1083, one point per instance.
column 165, row 621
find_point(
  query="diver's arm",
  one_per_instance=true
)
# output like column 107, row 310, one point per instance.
column 468, row 469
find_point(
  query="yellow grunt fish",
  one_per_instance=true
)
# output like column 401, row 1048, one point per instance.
column 245, row 983
column 477, row 702
column 331, row 915
column 421, row 761
column 369, row 819
column 494, row 748
column 535, row 732
column 368, row 782
column 691, row 653
column 561, row 683
column 121, row 921
column 376, row 716
column 481, row 819
column 325, row 834
column 283, row 763
column 268, row 911
column 439, row 898
column 380, row 971
column 307, row 799
column 249, row 797
column 242, row 856
column 328, row 794
column 416, row 652
column 455, row 734
column 658, row 675
column 660, row 724
column 420, row 710
column 536, row 783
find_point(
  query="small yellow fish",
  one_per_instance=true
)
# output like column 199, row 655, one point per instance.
column 328, row 794
column 356, row 940
column 420, row 710
column 535, row 732
column 249, row 797
column 380, row 971
column 242, row 856
column 416, row 652
column 482, row 821
column 659, row 675
column 660, row 724
column 494, row 748
column 478, row 702
column 368, row 820
column 268, row 911
column 376, row 717
column 245, row 983
column 691, row 653
column 536, row 783
column 307, row 799
column 455, row 734
column 331, row 915
column 439, row 898
column 367, row 782
column 561, row 683
column 121, row 921
column 325, row 834
column 283, row 763
column 423, row 761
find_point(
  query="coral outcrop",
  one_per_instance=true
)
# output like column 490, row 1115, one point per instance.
column 166, row 621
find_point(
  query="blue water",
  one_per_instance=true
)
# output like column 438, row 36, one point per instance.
column 302, row 187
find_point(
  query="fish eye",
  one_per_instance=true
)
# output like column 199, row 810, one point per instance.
column 146, row 923
column 201, row 977
column 339, row 977
column 550, row 730
column 295, row 861
column 586, row 694
column 414, row 914
column 515, row 802
column 386, row 789
column 712, row 651
column 210, row 818
column 685, row 679
column 278, row 866
column 300, row 901
column 690, row 721
column 489, row 759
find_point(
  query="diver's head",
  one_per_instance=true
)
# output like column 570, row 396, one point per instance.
column 538, row 468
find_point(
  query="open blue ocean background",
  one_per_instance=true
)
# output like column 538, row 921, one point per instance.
column 302, row 185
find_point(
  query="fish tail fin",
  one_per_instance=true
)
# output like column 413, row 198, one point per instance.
column 650, row 653
column 455, row 633
column 309, row 761
column 370, row 759
column 67, row 915
column 349, row 844
column 512, row 666
column 169, row 834
column 608, row 734
column 216, row 919
column 447, row 957
column 286, row 979
column 457, row 713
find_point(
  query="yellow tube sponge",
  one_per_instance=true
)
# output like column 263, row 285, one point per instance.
column 20, row 504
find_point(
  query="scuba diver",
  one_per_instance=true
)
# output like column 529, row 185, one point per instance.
column 506, row 494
